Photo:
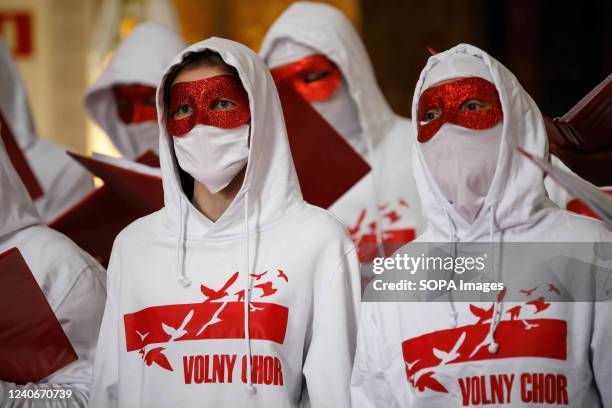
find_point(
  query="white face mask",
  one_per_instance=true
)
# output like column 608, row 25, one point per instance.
column 340, row 110
column 140, row 138
column 462, row 162
column 213, row 156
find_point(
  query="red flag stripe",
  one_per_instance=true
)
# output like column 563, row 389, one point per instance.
column 547, row 338
column 267, row 321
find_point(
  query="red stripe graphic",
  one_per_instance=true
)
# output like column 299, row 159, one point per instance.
column 198, row 321
column 544, row 338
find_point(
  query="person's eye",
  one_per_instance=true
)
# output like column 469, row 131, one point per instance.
column 431, row 114
column 473, row 105
column 223, row 105
column 182, row 112
column 314, row 76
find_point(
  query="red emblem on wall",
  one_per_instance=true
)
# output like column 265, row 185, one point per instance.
column 16, row 32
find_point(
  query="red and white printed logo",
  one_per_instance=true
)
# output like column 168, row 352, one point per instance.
column 520, row 332
column 364, row 233
column 220, row 315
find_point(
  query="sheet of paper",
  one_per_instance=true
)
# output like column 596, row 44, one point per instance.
column 595, row 199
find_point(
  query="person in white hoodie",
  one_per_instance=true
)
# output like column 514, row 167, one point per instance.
column 122, row 100
column 236, row 293
column 63, row 181
column 315, row 48
column 73, row 283
column 475, row 187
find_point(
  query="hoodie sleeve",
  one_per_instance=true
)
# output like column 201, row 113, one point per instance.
column 600, row 349
column 369, row 388
column 330, row 351
column 105, row 382
column 79, row 313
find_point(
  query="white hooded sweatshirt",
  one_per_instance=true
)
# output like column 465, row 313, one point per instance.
column 72, row 281
column 63, row 181
column 387, row 195
column 139, row 59
column 173, row 332
column 394, row 364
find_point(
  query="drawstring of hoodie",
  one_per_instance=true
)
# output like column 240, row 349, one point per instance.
column 498, row 306
column 180, row 270
column 374, row 165
column 186, row 282
column 247, row 296
column 452, row 238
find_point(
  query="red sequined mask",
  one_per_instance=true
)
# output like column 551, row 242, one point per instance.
column 220, row 101
column 135, row 103
column 316, row 78
column 451, row 102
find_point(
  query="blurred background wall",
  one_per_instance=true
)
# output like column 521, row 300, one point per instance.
column 559, row 51
column 49, row 40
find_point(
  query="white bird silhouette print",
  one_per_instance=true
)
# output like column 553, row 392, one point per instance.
column 254, row 308
column 214, row 319
column 142, row 336
column 413, row 364
column 529, row 326
column 447, row 357
column 488, row 340
column 176, row 334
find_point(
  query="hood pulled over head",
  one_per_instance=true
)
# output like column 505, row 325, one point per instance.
column 270, row 181
column 511, row 192
column 14, row 100
column 16, row 208
column 139, row 60
column 460, row 117
column 306, row 26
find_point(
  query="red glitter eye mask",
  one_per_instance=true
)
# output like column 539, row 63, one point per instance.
column 200, row 97
column 303, row 73
column 135, row 103
column 447, row 98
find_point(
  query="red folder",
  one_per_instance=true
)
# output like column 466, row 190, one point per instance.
column 150, row 158
column 582, row 138
column 327, row 166
column 19, row 161
column 125, row 196
column 140, row 190
column 32, row 342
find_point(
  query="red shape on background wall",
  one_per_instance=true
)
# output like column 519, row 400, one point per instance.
column 16, row 31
